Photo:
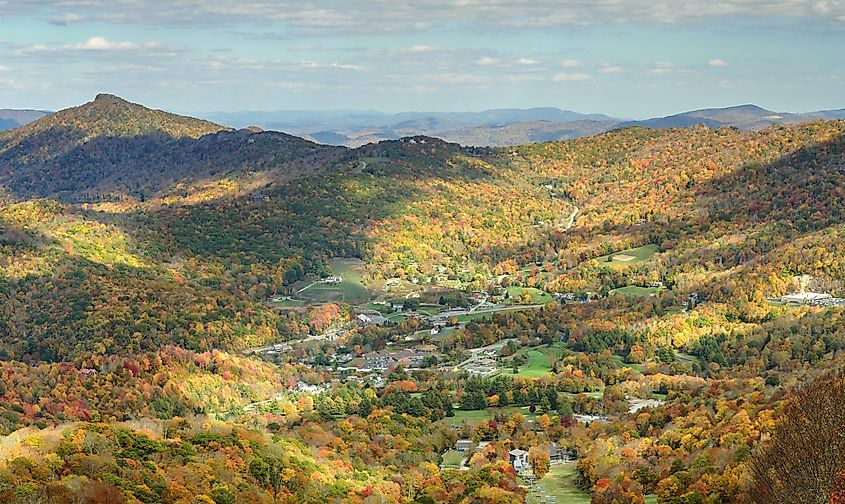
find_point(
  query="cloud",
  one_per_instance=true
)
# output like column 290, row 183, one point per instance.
column 65, row 19
column 369, row 16
column 717, row 63
column 662, row 68
column 570, row 63
column 487, row 61
column 93, row 44
column 526, row 61
column 610, row 69
column 380, row 16
column 103, row 44
column 312, row 65
column 417, row 49
column 571, row 77
column 4, row 69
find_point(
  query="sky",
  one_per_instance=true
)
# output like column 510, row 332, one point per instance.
column 626, row 58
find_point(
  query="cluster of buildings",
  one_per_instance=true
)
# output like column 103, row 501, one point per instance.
column 386, row 359
column 812, row 299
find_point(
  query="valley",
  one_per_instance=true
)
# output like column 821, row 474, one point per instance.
column 192, row 313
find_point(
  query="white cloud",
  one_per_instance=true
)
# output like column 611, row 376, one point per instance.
column 526, row 61
column 610, row 69
column 5, row 69
column 313, row 65
column 416, row 49
column 662, row 68
column 487, row 61
column 398, row 16
column 96, row 44
column 717, row 63
column 103, row 44
column 372, row 16
column 66, row 19
column 571, row 77
column 570, row 63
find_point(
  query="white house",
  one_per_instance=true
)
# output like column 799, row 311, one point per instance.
column 518, row 459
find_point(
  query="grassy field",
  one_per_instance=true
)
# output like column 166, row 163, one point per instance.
column 479, row 316
column 560, row 482
column 351, row 290
column 469, row 417
column 631, row 257
column 537, row 365
column 453, row 458
column 431, row 309
column 634, row 291
column 539, row 362
column 621, row 361
column 476, row 416
column 288, row 303
column 537, row 296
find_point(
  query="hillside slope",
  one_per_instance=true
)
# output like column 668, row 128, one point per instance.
column 110, row 149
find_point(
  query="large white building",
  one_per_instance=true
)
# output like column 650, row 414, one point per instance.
column 803, row 298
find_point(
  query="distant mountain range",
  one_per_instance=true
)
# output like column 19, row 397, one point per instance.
column 498, row 127
column 501, row 127
column 10, row 119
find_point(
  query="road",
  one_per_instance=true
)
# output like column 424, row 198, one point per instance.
column 571, row 221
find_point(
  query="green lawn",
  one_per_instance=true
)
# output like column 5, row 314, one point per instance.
column 351, row 290
column 469, row 417
column 621, row 362
column 560, row 482
column 453, row 458
column 288, row 303
column 638, row 255
column 634, row 291
column 483, row 315
column 537, row 366
column 537, row 296
column 473, row 316
column 476, row 416
column 431, row 309
column 539, row 362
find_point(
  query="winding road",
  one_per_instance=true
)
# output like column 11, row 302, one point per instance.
column 571, row 221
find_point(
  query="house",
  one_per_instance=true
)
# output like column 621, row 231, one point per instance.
column 463, row 445
column 371, row 319
column 558, row 455
column 518, row 459
column 554, row 452
column 333, row 279
column 693, row 300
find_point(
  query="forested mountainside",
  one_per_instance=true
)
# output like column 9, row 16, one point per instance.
column 112, row 150
column 194, row 314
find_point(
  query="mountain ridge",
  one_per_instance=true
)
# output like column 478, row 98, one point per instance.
column 110, row 147
column 503, row 127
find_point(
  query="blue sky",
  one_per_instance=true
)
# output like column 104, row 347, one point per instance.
column 628, row 58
